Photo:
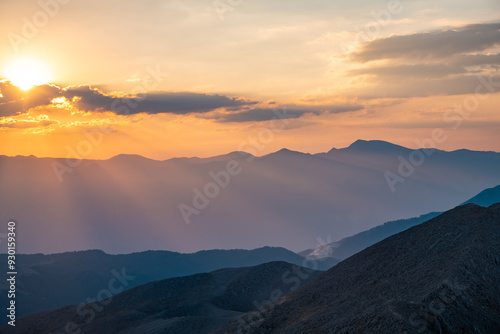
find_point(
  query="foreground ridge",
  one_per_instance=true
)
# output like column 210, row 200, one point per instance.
column 438, row 277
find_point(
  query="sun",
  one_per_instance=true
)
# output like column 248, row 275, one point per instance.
column 26, row 73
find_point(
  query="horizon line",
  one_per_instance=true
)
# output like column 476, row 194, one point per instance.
column 244, row 152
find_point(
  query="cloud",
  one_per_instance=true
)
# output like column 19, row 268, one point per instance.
column 25, row 124
column 14, row 101
column 42, row 95
column 91, row 99
column 185, row 103
column 476, row 60
column 285, row 112
column 10, row 108
column 88, row 99
column 410, row 71
column 10, row 99
column 465, row 84
column 440, row 62
column 432, row 45
column 9, row 92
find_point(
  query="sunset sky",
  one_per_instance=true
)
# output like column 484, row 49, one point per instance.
column 203, row 77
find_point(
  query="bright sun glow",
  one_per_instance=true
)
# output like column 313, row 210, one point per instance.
column 26, row 73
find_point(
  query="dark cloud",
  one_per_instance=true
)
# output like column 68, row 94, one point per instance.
column 178, row 103
column 476, row 60
column 10, row 99
column 433, row 45
column 285, row 112
column 89, row 99
column 411, row 71
column 15, row 101
column 92, row 99
column 42, row 95
column 9, row 92
column 11, row 108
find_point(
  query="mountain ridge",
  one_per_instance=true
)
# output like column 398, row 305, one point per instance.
column 190, row 304
column 55, row 280
column 357, row 144
column 348, row 246
column 437, row 277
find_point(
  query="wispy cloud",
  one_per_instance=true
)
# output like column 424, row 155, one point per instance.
column 286, row 112
column 433, row 45
column 40, row 121
column 439, row 62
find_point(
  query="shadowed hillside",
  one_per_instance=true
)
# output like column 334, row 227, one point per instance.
column 51, row 281
column 187, row 305
column 438, row 277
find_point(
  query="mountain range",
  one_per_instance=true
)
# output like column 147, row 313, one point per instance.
column 287, row 199
column 45, row 284
column 51, row 281
column 437, row 277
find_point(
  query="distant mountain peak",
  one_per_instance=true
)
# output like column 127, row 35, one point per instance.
column 362, row 145
column 374, row 145
column 129, row 158
column 286, row 151
column 234, row 155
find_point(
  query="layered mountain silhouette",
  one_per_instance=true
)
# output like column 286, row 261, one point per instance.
column 193, row 304
column 51, row 281
column 437, row 277
column 346, row 247
column 487, row 197
column 289, row 199
column 342, row 249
